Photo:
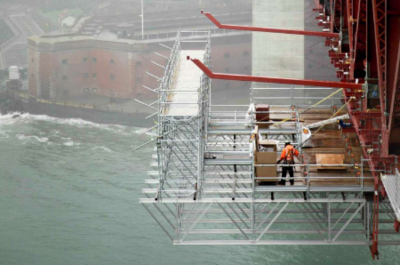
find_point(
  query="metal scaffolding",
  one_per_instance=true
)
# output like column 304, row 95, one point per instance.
column 183, row 105
column 203, row 189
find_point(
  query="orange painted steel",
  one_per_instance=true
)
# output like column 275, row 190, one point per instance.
column 263, row 79
column 271, row 30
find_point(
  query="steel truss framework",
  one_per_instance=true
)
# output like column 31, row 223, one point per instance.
column 323, row 219
column 178, row 160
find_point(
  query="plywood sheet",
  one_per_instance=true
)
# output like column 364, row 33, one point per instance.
column 330, row 159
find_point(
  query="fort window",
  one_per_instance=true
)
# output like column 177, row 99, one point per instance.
column 94, row 75
column 85, row 59
column 112, row 77
column 139, row 79
column 112, row 61
column 94, row 90
column 86, row 75
column 86, row 90
column 32, row 60
column 227, row 55
column 65, row 77
column 64, row 61
column 226, row 70
column 112, row 92
column 138, row 63
column 94, row 60
column 246, row 53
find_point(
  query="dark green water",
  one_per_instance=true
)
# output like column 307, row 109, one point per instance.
column 69, row 193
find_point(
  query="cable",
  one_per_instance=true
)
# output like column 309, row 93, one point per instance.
column 316, row 104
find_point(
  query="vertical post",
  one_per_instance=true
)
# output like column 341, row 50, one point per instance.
column 368, row 222
column 307, row 179
column 291, row 95
column 362, row 174
column 329, row 221
column 178, row 220
column 252, row 219
column 142, row 21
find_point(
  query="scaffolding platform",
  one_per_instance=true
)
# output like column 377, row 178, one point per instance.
column 203, row 188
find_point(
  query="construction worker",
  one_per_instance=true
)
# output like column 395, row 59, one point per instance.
column 287, row 157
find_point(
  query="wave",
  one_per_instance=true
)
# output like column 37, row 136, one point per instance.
column 103, row 148
column 34, row 137
column 145, row 131
column 9, row 118
column 26, row 118
column 12, row 118
column 71, row 143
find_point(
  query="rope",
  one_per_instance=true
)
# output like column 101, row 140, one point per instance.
column 313, row 106
column 279, row 122
column 328, row 97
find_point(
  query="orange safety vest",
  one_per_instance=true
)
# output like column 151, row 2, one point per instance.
column 288, row 154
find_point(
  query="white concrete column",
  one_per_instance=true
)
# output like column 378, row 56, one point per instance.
column 278, row 55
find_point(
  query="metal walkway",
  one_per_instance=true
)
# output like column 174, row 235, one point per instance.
column 392, row 186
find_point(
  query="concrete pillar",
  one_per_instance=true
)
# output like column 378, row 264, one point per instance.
column 277, row 55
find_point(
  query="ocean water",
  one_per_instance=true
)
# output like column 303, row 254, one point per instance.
column 69, row 194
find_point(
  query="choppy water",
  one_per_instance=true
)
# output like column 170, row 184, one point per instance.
column 69, row 193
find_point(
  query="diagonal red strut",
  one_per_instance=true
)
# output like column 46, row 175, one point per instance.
column 272, row 30
column 262, row 79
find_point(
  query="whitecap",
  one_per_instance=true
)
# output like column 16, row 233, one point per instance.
column 71, row 143
column 102, row 148
column 7, row 119
column 28, row 118
column 41, row 139
column 148, row 133
column 32, row 137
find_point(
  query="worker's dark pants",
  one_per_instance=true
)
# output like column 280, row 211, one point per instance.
column 284, row 172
